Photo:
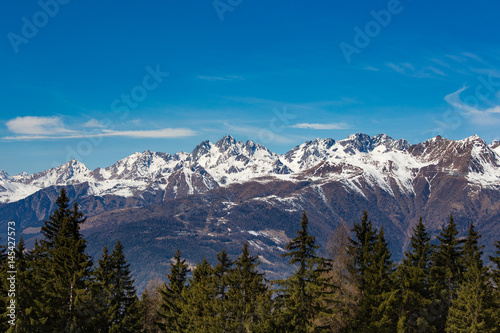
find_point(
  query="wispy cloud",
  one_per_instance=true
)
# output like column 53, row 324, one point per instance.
column 493, row 72
column 94, row 123
column 37, row 125
column 411, row 70
column 487, row 116
column 331, row 126
column 53, row 128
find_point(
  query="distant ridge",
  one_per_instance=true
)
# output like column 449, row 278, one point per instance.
column 226, row 193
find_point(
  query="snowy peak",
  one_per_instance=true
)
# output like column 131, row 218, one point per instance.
column 379, row 161
column 3, row 175
column 495, row 146
column 470, row 157
column 364, row 143
column 201, row 149
column 71, row 172
column 146, row 165
column 309, row 154
column 13, row 188
column 230, row 161
column 226, row 143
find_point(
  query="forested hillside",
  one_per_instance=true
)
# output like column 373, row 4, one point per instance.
column 356, row 287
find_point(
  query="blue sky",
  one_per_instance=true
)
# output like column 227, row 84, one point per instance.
column 98, row 81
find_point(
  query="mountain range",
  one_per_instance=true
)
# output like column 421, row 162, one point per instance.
column 225, row 193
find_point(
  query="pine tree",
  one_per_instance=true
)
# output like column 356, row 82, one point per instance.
column 380, row 287
column 221, row 283
column 69, row 273
column 125, row 310
column 25, row 289
column 413, row 282
column 496, row 280
column 496, row 261
column 40, row 307
column 246, row 289
column 302, row 294
column 62, row 271
column 473, row 309
column 51, row 227
column 199, row 312
column 446, row 274
column 221, row 273
column 172, row 296
column 103, row 286
column 361, row 248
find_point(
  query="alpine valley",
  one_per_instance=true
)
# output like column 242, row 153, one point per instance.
column 225, row 193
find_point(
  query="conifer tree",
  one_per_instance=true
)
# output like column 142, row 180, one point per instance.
column 302, row 294
column 361, row 248
column 63, row 271
column 125, row 310
column 103, row 286
column 24, row 292
column 496, row 280
column 221, row 283
column 380, row 287
column 221, row 273
column 173, row 296
column 496, row 261
column 199, row 313
column 39, row 308
column 413, row 281
column 246, row 289
column 446, row 274
column 473, row 310
column 51, row 227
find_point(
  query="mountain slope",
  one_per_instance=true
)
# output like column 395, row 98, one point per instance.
column 223, row 194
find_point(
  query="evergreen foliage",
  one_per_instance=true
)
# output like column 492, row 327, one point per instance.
column 496, row 261
column 446, row 274
column 413, row 277
column 25, row 292
column 473, row 309
column 200, row 313
column 496, row 281
column 373, row 269
column 246, row 290
column 63, row 271
column 124, row 305
column 380, row 286
column 173, row 296
column 443, row 288
column 302, row 295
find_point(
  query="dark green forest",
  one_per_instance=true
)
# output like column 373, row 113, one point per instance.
column 441, row 286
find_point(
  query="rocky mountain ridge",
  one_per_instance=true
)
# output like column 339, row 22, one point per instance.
column 227, row 161
column 221, row 195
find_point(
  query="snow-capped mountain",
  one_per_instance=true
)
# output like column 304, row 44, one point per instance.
column 379, row 160
column 229, row 192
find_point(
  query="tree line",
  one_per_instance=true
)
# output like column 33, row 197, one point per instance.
column 357, row 287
